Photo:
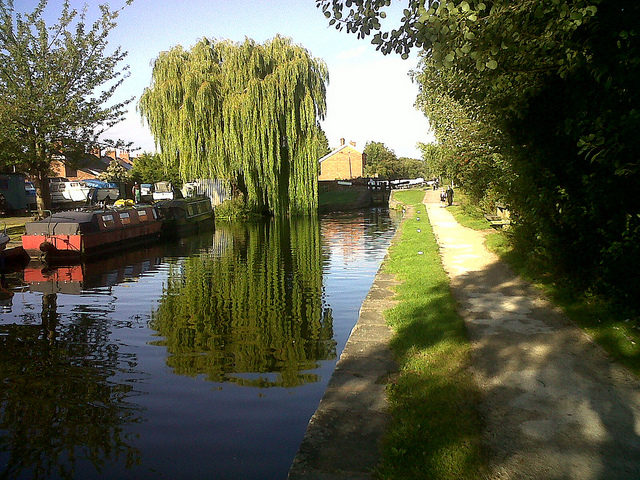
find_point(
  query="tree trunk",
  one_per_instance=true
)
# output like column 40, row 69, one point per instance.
column 43, row 196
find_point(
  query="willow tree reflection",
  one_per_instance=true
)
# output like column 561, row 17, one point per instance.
column 254, row 314
column 59, row 404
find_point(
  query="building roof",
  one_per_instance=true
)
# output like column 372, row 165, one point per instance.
column 341, row 147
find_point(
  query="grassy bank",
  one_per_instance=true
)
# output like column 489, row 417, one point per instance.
column 435, row 431
column 15, row 226
column 614, row 327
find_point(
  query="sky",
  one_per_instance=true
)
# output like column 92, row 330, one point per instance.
column 370, row 96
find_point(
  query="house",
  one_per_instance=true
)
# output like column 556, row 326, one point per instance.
column 344, row 163
column 90, row 165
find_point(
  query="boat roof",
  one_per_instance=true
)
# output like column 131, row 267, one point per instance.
column 63, row 223
column 182, row 202
column 72, row 222
column 72, row 216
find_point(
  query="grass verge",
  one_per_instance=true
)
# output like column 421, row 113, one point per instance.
column 435, row 430
column 614, row 327
column 15, row 226
column 467, row 214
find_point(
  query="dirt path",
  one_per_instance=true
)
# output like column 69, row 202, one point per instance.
column 555, row 406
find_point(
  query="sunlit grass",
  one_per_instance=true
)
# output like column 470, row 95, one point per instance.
column 408, row 197
column 435, row 431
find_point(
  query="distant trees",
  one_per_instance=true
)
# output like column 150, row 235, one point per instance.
column 383, row 162
column 55, row 86
column 114, row 173
column 242, row 112
column 378, row 158
column 149, row 168
column 536, row 103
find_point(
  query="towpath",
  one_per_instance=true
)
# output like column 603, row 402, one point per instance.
column 555, row 406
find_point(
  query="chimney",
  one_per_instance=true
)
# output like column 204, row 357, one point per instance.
column 111, row 154
column 125, row 156
column 352, row 143
column 342, row 142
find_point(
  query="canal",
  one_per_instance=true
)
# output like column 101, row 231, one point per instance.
column 203, row 358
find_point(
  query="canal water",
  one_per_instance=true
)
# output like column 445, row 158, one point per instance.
column 202, row 358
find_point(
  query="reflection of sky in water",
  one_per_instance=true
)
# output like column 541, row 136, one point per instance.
column 170, row 425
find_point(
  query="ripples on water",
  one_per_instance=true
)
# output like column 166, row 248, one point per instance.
column 199, row 359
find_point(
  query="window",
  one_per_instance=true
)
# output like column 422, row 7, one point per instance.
column 108, row 221
column 124, row 218
column 142, row 215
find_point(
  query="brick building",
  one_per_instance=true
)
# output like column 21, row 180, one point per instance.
column 90, row 166
column 344, row 163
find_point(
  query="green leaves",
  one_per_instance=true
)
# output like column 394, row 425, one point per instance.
column 56, row 85
column 244, row 112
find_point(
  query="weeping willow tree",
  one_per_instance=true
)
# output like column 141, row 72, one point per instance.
column 244, row 112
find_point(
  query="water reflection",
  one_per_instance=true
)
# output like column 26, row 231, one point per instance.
column 57, row 401
column 61, row 404
column 252, row 314
column 102, row 364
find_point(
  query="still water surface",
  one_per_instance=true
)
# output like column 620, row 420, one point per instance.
column 199, row 359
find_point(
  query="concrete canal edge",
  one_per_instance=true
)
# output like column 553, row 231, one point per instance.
column 343, row 435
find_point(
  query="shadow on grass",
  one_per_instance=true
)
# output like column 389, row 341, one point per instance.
column 436, row 428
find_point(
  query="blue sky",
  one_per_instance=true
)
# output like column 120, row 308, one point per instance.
column 369, row 97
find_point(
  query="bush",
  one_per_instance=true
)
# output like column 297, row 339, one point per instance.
column 234, row 208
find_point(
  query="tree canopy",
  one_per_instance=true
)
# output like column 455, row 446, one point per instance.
column 242, row 112
column 149, row 168
column 383, row 162
column 378, row 154
column 114, row 172
column 56, row 84
column 535, row 102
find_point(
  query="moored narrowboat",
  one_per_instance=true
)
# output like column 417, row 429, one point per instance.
column 75, row 235
column 184, row 215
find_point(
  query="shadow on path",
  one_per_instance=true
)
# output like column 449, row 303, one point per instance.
column 554, row 405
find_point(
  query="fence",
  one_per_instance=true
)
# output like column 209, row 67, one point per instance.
column 217, row 190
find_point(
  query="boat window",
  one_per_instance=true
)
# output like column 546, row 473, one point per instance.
column 192, row 210
column 124, row 218
column 142, row 215
column 108, row 221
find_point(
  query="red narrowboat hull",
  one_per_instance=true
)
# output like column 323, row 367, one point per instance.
column 69, row 236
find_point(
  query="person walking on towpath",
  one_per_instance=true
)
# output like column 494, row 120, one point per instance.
column 449, row 195
column 554, row 405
